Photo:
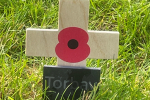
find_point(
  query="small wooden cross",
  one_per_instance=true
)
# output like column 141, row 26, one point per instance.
column 72, row 13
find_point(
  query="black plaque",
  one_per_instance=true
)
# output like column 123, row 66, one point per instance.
column 68, row 82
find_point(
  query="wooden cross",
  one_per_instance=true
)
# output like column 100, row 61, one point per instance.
column 72, row 13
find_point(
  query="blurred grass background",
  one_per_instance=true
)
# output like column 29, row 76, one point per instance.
column 128, row 77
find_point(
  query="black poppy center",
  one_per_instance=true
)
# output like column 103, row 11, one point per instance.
column 73, row 44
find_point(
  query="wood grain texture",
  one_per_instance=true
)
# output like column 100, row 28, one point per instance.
column 42, row 42
column 103, row 44
column 63, row 63
column 73, row 13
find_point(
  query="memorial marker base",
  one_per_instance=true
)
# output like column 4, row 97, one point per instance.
column 69, row 82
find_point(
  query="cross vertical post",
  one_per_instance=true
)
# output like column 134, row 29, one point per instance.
column 73, row 13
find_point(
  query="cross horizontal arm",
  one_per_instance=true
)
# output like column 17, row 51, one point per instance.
column 103, row 44
column 42, row 42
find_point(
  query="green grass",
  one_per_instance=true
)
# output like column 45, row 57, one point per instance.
column 128, row 77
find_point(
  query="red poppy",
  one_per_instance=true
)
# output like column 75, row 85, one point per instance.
column 72, row 46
